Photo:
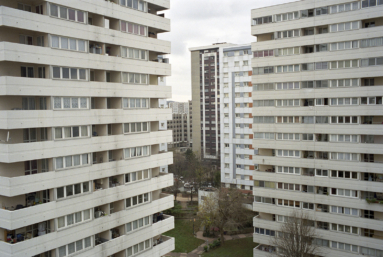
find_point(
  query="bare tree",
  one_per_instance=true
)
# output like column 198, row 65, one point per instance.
column 223, row 209
column 296, row 237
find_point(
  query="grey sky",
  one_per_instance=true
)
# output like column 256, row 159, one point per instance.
column 203, row 22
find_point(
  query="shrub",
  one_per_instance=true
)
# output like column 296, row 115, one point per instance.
column 206, row 248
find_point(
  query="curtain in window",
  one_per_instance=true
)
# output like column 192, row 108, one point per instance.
column 59, row 163
column 76, row 160
column 130, row 27
column 67, row 132
column 62, row 249
column 68, row 161
column 127, row 153
column 143, row 79
column 85, row 159
column 138, row 103
column 132, row 102
column 80, row 16
column 61, row 222
column 72, row 14
column 144, row 103
column 64, row 42
column 58, row 133
column 55, row 41
column 131, row 78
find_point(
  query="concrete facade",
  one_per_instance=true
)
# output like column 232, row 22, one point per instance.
column 206, row 101
column 236, row 117
column 317, row 122
column 83, row 135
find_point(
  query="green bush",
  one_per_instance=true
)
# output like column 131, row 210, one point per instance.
column 206, row 248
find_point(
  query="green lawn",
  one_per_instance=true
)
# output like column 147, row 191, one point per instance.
column 183, row 234
column 234, row 248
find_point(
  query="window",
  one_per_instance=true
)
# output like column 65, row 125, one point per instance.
column 263, row 135
column 136, row 4
column 71, row 161
column 136, row 152
column 321, row 65
column 308, row 206
column 344, row 101
column 263, row 87
column 71, row 190
column 344, row 156
column 371, row 100
column 261, row 103
column 287, row 119
column 263, row 119
column 371, row 42
column 289, row 203
column 263, row 70
column 67, row 13
column 344, row 45
column 288, row 170
column 288, row 153
column 287, row 68
column 74, row 218
column 133, row 53
column 344, row 138
column 137, row 200
column 344, row 192
column 132, row 28
column 134, row 78
column 265, row 184
column 71, row 132
column 28, row 103
column 265, row 232
column 138, row 247
column 287, row 85
column 24, row 7
column 26, row 40
column 137, row 127
column 27, row 72
column 137, row 176
column 135, row 103
column 288, row 102
column 344, row 7
column 288, row 51
column 137, row 224
column 345, row 83
column 262, row 20
column 344, row 119
column 307, row 13
column 288, row 34
column 371, row 62
column 74, row 247
column 287, row 16
column 371, row 3
column 288, row 136
column 264, row 53
column 66, row 103
column 68, row 43
column 69, row 73
column 344, row 26
column 344, row 64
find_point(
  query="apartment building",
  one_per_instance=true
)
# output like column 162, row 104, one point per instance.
column 237, row 166
column 206, row 101
column 82, row 135
column 180, row 125
column 317, row 111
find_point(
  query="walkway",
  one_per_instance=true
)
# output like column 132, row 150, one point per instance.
column 198, row 251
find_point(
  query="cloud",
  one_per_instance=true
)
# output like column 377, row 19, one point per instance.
column 204, row 22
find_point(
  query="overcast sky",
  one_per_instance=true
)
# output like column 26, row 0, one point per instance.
column 204, row 22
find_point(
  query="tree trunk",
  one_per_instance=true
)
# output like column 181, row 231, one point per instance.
column 191, row 194
column 222, row 236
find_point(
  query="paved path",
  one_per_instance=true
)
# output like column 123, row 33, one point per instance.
column 198, row 251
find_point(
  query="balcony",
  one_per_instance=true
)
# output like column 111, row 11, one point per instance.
column 263, row 250
column 14, row 186
column 33, row 215
column 111, row 240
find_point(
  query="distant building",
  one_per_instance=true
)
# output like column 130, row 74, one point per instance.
column 236, row 117
column 206, row 101
column 180, row 125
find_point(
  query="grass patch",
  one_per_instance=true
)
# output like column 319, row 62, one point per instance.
column 239, row 247
column 183, row 233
